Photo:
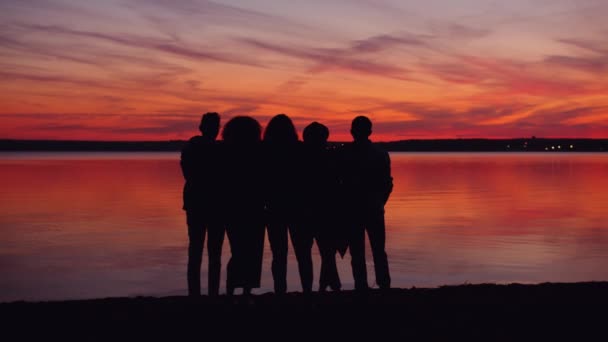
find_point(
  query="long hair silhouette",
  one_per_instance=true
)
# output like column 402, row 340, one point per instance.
column 280, row 130
column 242, row 130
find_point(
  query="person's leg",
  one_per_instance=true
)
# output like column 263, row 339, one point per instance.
column 256, row 255
column 323, row 274
column 302, row 240
column 215, row 240
column 196, row 237
column 377, row 239
column 329, row 271
column 357, row 253
column 277, row 236
column 232, row 268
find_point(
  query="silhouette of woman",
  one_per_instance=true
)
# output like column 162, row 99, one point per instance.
column 282, row 154
column 244, row 219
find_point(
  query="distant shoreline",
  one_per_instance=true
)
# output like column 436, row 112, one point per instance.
column 435, row 145
column 488, row 312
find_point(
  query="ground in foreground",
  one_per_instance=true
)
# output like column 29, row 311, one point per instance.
column 481, row 312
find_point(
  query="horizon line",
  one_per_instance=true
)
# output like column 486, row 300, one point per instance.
column 330, row 141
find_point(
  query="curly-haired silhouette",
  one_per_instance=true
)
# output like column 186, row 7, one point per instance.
column 319, row 192
column 282, row 158
column 201, row 166
column 244, row 216
column 366, row 176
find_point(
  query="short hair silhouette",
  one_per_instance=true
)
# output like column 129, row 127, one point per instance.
column 361, row 128
column 315, row 134
column 210, row 124
column 242, row 130
column 280, row 129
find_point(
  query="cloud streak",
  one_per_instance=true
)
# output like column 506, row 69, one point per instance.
column 324, row 59
column 168, row 46
column 595, row 63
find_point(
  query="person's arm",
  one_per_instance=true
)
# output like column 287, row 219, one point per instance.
column 387, row 178
column 186, row 162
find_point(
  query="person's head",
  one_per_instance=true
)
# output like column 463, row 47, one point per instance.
column 210, row 125
column 280, row 129
column 316, row 134
column 361, row 128
column 242, row 130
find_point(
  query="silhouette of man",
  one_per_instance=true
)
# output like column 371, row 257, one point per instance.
column 201, row 167
column 319, row 196
column 367, row 181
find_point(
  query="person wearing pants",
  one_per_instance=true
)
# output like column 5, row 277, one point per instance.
column 367, row 181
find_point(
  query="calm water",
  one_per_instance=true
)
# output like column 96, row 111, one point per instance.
column 81, row 225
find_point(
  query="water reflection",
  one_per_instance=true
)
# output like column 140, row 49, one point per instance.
column 79, row 225
column 458, row 218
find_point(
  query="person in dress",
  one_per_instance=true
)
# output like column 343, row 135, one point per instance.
column 245, row 203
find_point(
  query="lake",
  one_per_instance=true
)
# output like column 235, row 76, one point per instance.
column 87, row 225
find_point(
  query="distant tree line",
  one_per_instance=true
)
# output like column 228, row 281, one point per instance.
column 432, row 145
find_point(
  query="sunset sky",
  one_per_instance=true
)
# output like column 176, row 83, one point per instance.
column 147, row 69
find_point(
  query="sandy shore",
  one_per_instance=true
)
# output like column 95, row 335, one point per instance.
column 577, row 311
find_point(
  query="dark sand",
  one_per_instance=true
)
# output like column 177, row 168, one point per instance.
column 515, row 312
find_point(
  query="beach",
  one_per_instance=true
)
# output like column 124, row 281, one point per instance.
column 481, row 312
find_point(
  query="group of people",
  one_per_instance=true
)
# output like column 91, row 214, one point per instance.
column 251, row 183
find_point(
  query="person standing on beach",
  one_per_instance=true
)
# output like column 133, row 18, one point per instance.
column 367, row 181
column 201, row 166
column 319, row 196
column 282, row 156
column 243, row 192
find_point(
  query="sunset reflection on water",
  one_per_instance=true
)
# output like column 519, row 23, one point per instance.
column 81, row 225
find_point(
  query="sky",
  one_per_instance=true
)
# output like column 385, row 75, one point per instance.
column 148, row 69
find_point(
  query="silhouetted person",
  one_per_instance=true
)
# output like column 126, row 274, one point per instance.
column 319, row 191
column 367, row 181
column 245, row 209
column 282, row 153
column 201, row 166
